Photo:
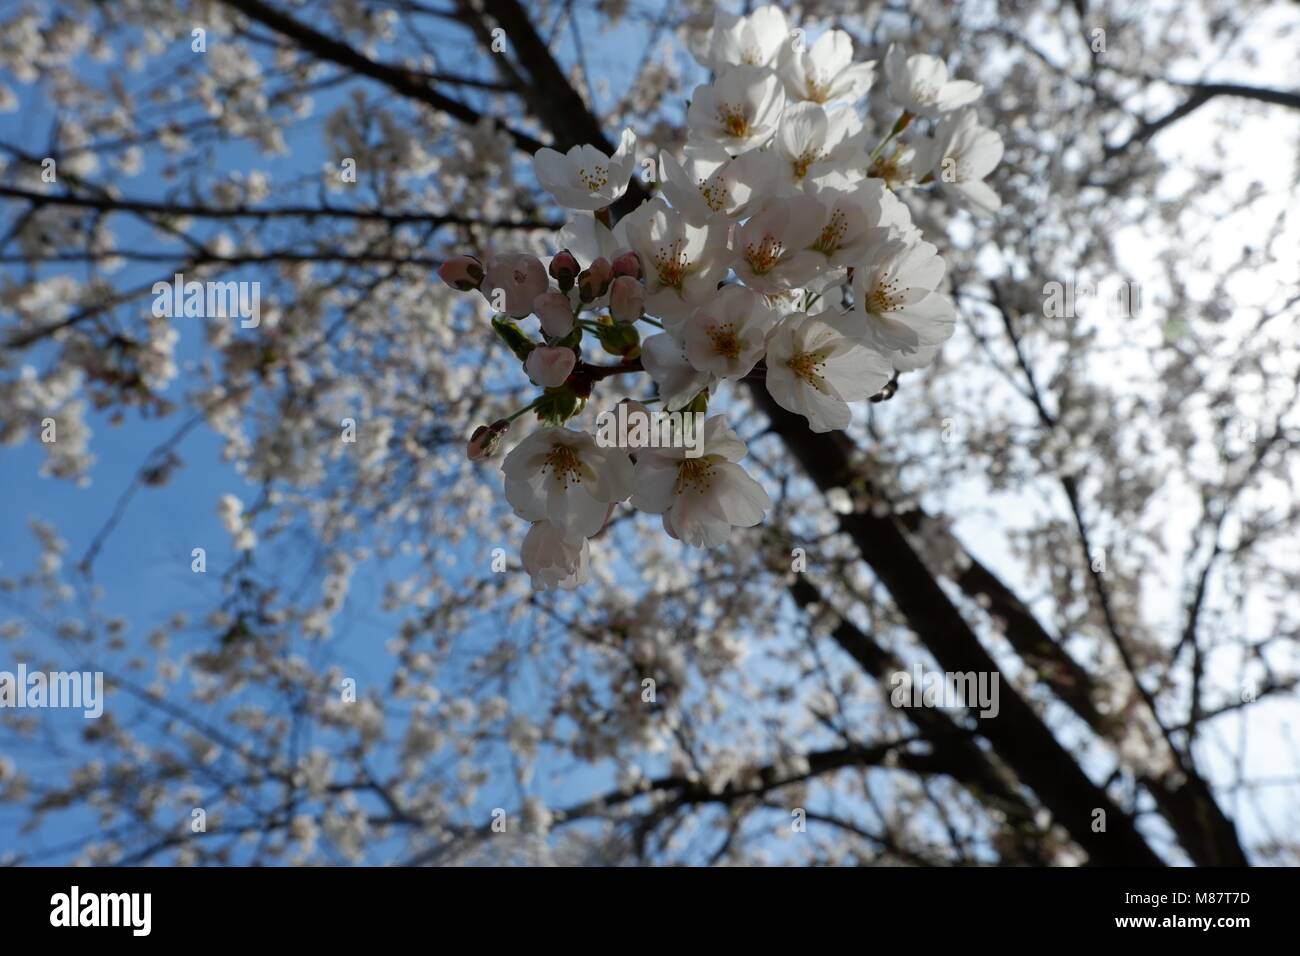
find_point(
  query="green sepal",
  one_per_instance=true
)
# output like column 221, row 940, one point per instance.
column 557, row 405
column 513, row 336
column 700, row 403
column 618, row 338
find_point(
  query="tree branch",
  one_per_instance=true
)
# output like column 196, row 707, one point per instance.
column 1200, row 94
column 408, row 83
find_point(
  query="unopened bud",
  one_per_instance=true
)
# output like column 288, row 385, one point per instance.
column 628, row 264
column 594, row 280
column 564, row 269
column 626, row 299
column 462, row 272
column 486, row 440
column 513, row 280
column 556, row 313
column 549, row 365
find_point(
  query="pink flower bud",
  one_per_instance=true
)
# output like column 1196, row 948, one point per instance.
column 556, row 313
column 549, row 365
column 462, row 272
column 628, row 264
column 564, row 269
column 595, row 279
column 486, row 440
column 626, row 299
column 513, row 281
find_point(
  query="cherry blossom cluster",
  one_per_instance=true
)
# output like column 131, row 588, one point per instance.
column 775, row 248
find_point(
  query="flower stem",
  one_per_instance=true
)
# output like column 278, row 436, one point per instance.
column 527, row 408
column 902, row 124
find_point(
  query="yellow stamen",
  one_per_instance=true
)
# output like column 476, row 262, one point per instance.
column 715, row 193
column 594, row 179
column 829, row 240
column 806, row 159
column 724, row 339
column 671, row 264
column 818, row 91
column 733, row 120
column 763, row 256
column 564, row 464
column 695, row 474
column 885, row 296
column 889, row 170
column 808, row 366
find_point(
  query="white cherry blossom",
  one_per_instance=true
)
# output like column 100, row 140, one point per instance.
column 813, row 142
column 473, row 696
column 920, row 84
column 588, row 238
column 816, row 371
column 896, row 307
column 664, row 357
column 584, row 177
column 753, row 40
column 959, row 155
column 857, row 215
column 740, row 111
column 683, row 263
column 825, row 71
column 701, row 498
column 710, row 183
column 772, row 249
column 726, row 336
column 561, row 475
column 552, row 560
